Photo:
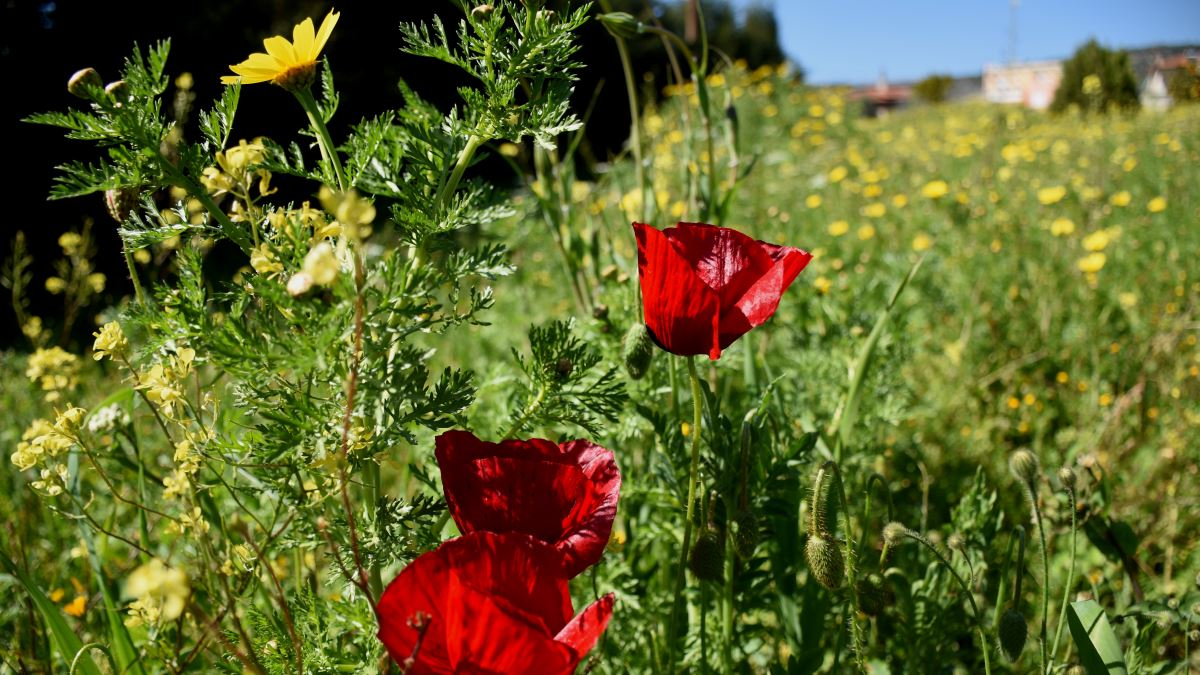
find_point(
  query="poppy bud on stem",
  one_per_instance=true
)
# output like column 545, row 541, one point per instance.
column 1027, row 470
column 1066, row 475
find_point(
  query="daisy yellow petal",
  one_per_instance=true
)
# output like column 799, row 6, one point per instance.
column 261, row 61
column 304, row 40
column 281, row 49
column 232, row 79
column 324, row 31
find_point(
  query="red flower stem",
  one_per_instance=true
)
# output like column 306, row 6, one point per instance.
column 693, row 470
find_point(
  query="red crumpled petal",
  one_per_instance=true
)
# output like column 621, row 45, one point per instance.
column 565, row 495
column 497, row 603
column 746, row 276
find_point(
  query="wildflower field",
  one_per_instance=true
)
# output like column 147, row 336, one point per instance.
column 781, row 389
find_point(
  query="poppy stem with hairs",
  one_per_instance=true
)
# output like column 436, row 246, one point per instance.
column 693, row 469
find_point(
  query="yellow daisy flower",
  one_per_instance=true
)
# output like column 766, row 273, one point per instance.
column 291, row 65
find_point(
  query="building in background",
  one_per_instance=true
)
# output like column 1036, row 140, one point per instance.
column 1031, row 84
column 1153, row 89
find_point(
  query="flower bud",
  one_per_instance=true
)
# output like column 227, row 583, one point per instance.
column 621, row 24
column 119, row 90
column 1012, row 631
column 745, row 535
column 825, row 561
column 82, row 81
column 1076, row 670
column 872, row 594
column 707, row 558
column 894, row 534
column 637, row 349
column 546, row 15
column 1024, row 467
column 956, row 542
column 120, row 201
column 1066, row 476
column 321, row 264
column 299, row 284
column 483, row 11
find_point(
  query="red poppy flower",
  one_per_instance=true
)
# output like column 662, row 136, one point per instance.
column 703, row 287
column 565, row 495
column 490, row 603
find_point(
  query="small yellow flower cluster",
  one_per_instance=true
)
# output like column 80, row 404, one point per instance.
column 233, row 174
column 320, row 268
column 354, row 213
column 43, row 440
column 110, row 341
column 263, row 260
column 162, row 382
column 160, row 594
column 55, row 370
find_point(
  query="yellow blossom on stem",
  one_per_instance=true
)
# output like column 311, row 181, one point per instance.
column 291, row 65
column 110, row 341
column 159, row 591
column 55, row 370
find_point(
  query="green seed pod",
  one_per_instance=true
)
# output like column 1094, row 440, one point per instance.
column 1024, row 467
column 621, row 24
column 745, row 536
column 1012, row 631
column 707, row 558
column 825, row 561
column 873, row 594
column 82, row 81
column 637, row 349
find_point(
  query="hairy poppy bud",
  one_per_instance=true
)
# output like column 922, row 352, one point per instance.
column 825, row 560
column 894, row 534
column 956, row 542
column 120, row 201
column 82, row 81
column 707, row 559
column 1066, row 476
column 1012, row 631
column 872, row 594
column 1024, row 467
column 637, row 349
column 621, row 24
column 745, row 536
column 564, row 367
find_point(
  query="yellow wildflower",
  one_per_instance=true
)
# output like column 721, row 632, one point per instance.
column 1128, row 300
column 321, row 264
column 900, row 201
column 839, row 227
column 812, row 201
column 353, row 212
column 935, row 189
column 1062, row 227
column 838, row 174
column 922, row 242
column 77, row 606
column 55, row 370
column 1157, row 205
column 1096, row 241
column 1092, row 263
column 866, row 232
column 71, row 242
column 1062, row 377
column 160, row 591
column 110, row 341
column 874, row 210
column 262, row 259
column 1121, row 198
column 291, row 65
column 822, row 284
column 1051, row 195
column 56, row 285
column 97, row 281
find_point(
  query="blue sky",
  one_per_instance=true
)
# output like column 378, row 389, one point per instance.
column 852, row 40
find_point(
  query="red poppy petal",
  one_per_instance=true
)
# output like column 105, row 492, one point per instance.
column 585, row 629
column 760, row 301
column 582, row 542
column 419, row 587
column 725, row 259
column 485, row 636
column 680, row 309
column 565, row 496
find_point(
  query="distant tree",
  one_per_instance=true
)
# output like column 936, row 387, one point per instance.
column 1096, row 78
column 1184, row 84
column 934, row 89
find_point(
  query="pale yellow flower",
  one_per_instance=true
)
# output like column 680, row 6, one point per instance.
column 158, row 587
column 1062, row 227
column 922, row 242
column 291, row 65
column 1051, row 195
column 839, row 227
column 1121, row 198
column 110, row 341
column 321, row 264
column 935, row 189
column 1157, row 205
column 822, row 284
column 1092, row 263
column 1096, row 241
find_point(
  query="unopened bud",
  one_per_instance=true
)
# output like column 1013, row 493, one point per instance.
column 483, row 11
column 119, row 90
column 546, row 14
column 956, row 542
column 1066, row 476
column 637, row 349
column 120, row 201
column 1024, row 467
column 1012, row 631
column 82, row 81
column 621, row 24
column 825, row 561
column 745, row 536
column 564, row 367
column 894, row 534
column 299, row 284
column 707, row 558
column 1076, row 670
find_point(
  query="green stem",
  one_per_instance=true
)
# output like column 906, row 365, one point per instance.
column 727, row 607
column 324, row 141
column 460, row 166
column 529, row 411
column 983, row 643
column 635, row 131
column 1062, row 614
column 858, row 641
column 1046, row 661
column 372, row 483
column 133, row 276
column 693, row 471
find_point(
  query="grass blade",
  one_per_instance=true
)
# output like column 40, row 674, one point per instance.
column 1099, row 651
column 69, row 644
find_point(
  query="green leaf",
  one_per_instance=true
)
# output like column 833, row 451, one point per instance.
column 863, row 362
column 64, row 638
column 1099, row 651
